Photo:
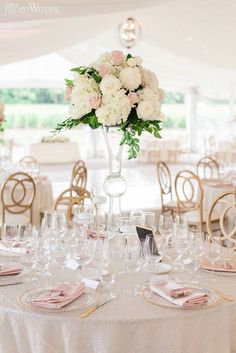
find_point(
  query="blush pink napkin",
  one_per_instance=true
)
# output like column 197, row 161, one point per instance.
column 223, row 265
column 58, row 297
column 190, row 298
column 10, row 269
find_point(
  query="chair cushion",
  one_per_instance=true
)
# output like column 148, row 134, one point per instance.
column 21, row 219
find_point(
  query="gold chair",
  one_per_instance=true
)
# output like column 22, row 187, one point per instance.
column 71, row 197
column 165, row 184
column 17, row 196
column 28, row 160
column 79, row 175
column 189, row 194
column 224, row 206
column 208, row 168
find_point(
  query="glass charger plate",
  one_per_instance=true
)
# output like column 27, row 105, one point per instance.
column 219, row 272
column 153, row 298
column 88, row 298
column 159, row 268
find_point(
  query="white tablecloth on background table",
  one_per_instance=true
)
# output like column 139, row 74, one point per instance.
column 212, row 191
column 43, row 200
column 127, row 324
column 55, row 153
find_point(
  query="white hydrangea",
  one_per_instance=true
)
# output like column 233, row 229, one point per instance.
column 115, row 109
column 83, row 88
column 145, row 110
column 110, row 84
column 146, row 94
column 131, row 78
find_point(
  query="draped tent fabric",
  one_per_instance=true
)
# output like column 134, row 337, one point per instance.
column 186, row 42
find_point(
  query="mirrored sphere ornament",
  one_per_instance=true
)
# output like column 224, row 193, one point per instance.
column 129, row 32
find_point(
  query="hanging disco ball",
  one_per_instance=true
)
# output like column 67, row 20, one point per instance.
column 129, row 32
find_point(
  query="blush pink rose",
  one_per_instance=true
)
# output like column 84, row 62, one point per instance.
column 117, row 57
column 133, row 98
column 102, row 70
column 95, row 101
column 68, row 93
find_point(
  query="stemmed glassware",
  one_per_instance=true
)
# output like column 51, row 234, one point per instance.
column 98, row 201
column 150, row 221
column 153, row 249
column 166, row 225
column 133, row 256
column 84, row 216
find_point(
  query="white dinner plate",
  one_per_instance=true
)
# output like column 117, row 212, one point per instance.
column 159, row 268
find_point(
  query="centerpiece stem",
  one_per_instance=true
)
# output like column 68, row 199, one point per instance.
column 115, row 184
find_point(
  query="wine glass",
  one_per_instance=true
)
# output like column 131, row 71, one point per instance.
column 84, row 215
column 133, row 256
column 138, row 217
column 107, row 271
column 165, row 225
column 153, row 251
column 9, row 233
column 126, row 226
column 98, row 201
column 150, row 221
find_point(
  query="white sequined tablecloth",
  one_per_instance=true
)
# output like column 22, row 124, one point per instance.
column 127, row 324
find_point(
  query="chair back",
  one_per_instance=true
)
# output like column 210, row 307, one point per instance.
column 17, row 194
column 79, row 175
column 164, row 180
column 28, row 160
column 224, row 208
column 189, row 192
column 71, row 197
column 207, row 167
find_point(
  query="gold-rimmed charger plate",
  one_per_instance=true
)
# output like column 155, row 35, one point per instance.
column 153, row 298
column 88, row 298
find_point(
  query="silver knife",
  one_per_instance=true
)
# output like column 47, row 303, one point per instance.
column 93, row 308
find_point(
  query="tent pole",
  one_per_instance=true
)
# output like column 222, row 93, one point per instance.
column 191, row 102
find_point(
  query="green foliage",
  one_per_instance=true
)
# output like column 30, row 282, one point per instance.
column 90, row 71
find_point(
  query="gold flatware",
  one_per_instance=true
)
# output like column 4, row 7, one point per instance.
column 225, row 296
column 93, row 308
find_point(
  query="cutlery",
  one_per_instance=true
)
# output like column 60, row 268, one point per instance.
column 9, row 284
column 226, row 297
column 93, row 308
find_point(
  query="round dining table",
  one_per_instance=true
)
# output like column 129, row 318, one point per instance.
column 126, row 324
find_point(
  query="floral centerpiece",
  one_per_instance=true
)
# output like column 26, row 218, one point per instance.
column 118, row 94
column 116, row 90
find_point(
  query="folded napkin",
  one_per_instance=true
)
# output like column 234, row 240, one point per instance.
column 58, row 297
column 12, row 250
column 10, row 269
column 220, row 265
column 178, row 295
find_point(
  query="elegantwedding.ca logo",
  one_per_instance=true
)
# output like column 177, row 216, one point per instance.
column 13, row 8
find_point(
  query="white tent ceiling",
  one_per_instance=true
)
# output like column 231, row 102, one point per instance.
column 186, row 42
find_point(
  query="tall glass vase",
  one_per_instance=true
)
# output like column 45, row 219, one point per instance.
column 115, row 184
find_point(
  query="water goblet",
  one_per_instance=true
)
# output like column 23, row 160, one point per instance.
column 165, row 225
